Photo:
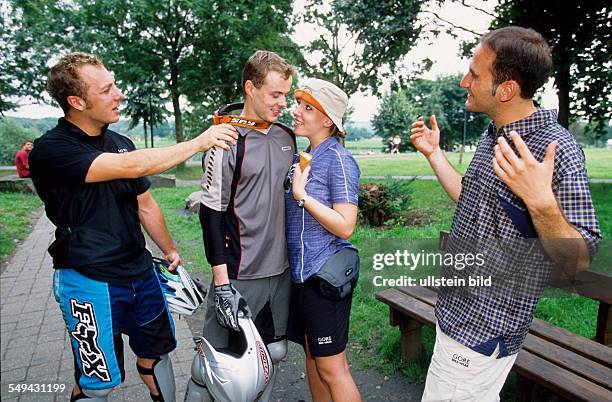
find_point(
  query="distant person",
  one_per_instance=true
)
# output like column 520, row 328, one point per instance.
column 396, row 144
column 321, row 217
column 390, row 145
column 95, row 190
column 527, row 180
column 21, row 159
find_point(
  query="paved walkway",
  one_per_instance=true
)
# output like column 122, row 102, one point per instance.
column 35, row 347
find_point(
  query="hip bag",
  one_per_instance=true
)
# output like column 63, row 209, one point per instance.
column 338, row 276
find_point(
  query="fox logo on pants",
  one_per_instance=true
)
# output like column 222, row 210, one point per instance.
column 86, row 334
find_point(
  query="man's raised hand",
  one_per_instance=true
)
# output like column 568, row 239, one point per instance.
column 528, row 178
column 217, row 136
column 425, row 140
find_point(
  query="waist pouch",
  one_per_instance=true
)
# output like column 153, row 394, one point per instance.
column 338, row 276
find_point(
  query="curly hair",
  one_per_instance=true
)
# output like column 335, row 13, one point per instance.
column 63, row 79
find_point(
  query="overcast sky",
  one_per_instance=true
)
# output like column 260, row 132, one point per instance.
column 443, row 52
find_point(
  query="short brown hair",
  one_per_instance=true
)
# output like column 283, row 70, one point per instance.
column 27, row 142
column 261, row 63
column 522, row 55
column 63, row 79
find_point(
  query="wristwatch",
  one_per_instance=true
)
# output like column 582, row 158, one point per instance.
column 300, row 203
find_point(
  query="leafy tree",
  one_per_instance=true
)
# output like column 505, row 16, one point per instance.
column 33, row 33
column 394, row 117
column 442, row 97
column 362, row 41
column 580, row 34
column 192, row 50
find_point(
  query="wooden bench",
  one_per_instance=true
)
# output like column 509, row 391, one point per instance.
column 571, row 366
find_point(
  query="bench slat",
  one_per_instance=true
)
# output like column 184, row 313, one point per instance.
column 416, row 309
column 573, row 362
column 597, row 352
column 562, row 382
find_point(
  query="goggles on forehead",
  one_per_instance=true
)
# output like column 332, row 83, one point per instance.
column 223, row 116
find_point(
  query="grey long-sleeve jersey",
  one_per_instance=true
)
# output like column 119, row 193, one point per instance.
column 243, row 210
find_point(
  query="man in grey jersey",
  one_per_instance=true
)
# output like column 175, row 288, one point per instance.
column 242, row 212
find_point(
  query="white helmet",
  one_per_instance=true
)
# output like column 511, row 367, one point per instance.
column 234, row 376
column 182, row 295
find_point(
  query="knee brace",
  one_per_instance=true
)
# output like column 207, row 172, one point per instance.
column 163, row 377
column 92, row 395
column 278, row 350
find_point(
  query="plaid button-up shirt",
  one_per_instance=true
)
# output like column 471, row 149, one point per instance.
column 488, row 211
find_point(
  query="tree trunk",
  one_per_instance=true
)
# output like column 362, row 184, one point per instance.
column 178, row 117
column 563, row 63
column 144, row 124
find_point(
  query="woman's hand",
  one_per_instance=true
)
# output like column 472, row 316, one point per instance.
column 299, row 182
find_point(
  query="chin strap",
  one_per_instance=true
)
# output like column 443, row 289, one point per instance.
column 222, row 116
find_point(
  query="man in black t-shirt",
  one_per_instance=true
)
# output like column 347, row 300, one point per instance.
column 94, row 187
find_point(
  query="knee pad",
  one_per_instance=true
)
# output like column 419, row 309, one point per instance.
column 163, row 377
column 92, row 395
column 278, row 350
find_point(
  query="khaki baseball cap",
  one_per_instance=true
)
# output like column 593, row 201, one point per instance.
column 325, row 97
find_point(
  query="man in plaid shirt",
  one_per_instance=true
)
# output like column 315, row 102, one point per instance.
column 527, row 180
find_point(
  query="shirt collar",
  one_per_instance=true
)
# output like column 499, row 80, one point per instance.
column 245, row 130
column 324, row 146
column 526, row 126
column 75, row 131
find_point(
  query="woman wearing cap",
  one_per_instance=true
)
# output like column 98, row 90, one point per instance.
column 321, row 208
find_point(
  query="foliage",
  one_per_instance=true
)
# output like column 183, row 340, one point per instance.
column 384, row 203
column 442, row 97
column 357, row 133
column 394, row 117
column 361, row 41
column 580, row 34
column 12, row 136
column 188, row 50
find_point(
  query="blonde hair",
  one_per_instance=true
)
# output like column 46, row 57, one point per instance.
column 63, row 79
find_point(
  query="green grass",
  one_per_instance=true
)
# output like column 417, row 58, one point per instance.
column 599, row 164
column 374, row 342
column 16, row 214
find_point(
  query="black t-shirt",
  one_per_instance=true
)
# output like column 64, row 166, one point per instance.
column 98, row 229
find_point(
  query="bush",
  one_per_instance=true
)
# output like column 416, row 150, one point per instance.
column 384, row 203
column 12, row 136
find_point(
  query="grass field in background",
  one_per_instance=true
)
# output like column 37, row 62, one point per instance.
column 599, row 165
column 16, row 214
column 374, row 342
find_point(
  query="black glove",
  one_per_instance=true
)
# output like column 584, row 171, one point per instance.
column 228, row 301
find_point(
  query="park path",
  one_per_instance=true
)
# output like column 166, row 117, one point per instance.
column 34, row 345
column 35, row 348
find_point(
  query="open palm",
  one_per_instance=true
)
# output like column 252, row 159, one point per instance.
column 425, row 140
